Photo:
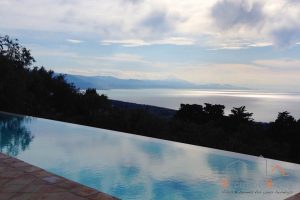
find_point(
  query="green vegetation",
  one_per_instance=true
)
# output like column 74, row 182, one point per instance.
column 35, row 91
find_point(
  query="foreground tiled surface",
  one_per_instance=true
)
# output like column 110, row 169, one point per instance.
column 22, row 181
column 296, row 197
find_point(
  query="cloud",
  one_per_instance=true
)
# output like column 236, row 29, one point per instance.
column 140, row 42
column 280, row 64
column 286, row 37
column 158, row 21
column 75, row 41
column 261, row 44
column 237, row 45
column 294, row 1
column 126, row 43
column 206, row 23
column 259, row 22
column 228, row 14
column 122, row 57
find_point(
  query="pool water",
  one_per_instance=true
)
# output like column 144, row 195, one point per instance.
column 135, row 167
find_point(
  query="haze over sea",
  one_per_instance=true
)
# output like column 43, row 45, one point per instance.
column 264, row 105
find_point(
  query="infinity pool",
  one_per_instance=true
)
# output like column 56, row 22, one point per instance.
column 134, row 167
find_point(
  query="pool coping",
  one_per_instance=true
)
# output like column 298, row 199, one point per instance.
column 22, row 181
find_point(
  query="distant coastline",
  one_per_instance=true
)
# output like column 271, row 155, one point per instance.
column 110, row 82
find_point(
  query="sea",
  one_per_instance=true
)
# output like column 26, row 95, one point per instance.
column 264, row 105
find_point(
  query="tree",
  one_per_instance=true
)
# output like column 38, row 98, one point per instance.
column 94, row 103
column 191, row 113
column 285, row 121
column 10, row 49
column 214, row 112
column 240, row 114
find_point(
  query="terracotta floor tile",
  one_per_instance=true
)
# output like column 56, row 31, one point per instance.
column 3, row 156
column 33, row 188
column 4, row 180
column 11, row 174
column 60, row 196
column 9, row 160
column 31, row 168
column 84, row 191
column 26, row 196
column 6, row 195
column 68, row 184
column 11, row 188
column 3, row 169
column 22, row 180
column 41, row 174
column 101, row 196
column 20, row 164
column 52, row 179
column 51, row 189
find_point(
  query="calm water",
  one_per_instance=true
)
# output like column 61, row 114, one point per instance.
column 264, row 105
column 134, row 167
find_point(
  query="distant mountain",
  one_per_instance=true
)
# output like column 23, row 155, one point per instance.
column 110, row 82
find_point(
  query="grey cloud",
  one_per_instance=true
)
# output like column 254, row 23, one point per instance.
column 157, row 21
column 294, row 1
column 286, row 37
column 160, row 21
column 228, row 14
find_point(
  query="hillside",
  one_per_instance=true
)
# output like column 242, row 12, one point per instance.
column 110, row 82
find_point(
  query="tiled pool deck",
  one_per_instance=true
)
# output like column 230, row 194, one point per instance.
column 22, row 181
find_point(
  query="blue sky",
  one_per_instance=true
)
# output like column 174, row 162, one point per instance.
column 250, row 43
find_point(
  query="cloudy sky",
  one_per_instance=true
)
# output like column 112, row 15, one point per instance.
column 252, row 43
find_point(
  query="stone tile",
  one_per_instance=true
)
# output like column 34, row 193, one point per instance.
column 9, row 160
column 31, row 168
column 20, row 164
column 3, row 156
column 51, row 189
column 41, row 174
column 60, row 196
column 4, row 180
column 6, row 195
column 4, row 169
column 26, row 196
column 101, row 196
column 11, row 188
column 84, row 191
column 11, row 174
column 39, row 186
column 34, row 188
column 66, row 184
column 52, row 179
column 22, row 180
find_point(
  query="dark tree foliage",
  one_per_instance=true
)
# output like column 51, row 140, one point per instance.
column 13, row 51
column 35, row 91
column 193, row 113
column 285, row 121
column 240, row 114
column 214, row 112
